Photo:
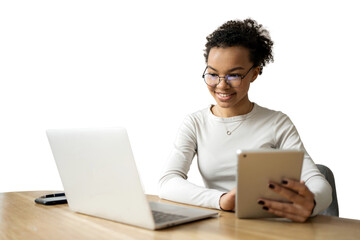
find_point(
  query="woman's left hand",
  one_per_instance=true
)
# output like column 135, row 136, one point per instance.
column 301, row 200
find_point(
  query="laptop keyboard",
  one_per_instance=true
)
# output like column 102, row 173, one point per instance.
column 161, row 217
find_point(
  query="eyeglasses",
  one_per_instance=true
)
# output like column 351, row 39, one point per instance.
column 233, row 80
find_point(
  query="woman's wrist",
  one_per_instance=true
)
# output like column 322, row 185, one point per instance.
column 220, row 202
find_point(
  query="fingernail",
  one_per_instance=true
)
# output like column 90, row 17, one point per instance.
column 271, row 186
column 284, row 182
column 266, row 208
column 261, row 202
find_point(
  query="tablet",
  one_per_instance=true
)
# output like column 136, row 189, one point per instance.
column 255, row 170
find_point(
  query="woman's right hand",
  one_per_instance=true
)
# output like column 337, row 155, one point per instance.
column 227, row 201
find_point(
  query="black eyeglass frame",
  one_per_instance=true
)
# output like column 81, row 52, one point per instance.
column 225, row 77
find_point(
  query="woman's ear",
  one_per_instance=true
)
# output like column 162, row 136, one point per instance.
column 256, row 73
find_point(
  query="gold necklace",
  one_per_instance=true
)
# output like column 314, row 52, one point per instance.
column 228, row 132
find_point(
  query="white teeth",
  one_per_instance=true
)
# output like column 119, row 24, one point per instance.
column 224, row 95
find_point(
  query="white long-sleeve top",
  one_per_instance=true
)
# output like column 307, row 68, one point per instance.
column 203, row 134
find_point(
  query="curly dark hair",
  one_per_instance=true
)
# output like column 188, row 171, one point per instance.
column 247, row 33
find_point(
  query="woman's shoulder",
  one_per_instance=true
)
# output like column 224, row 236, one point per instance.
column 267, row 113
column 200, row 114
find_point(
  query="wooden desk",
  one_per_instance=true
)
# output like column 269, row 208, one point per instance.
column 21, row 218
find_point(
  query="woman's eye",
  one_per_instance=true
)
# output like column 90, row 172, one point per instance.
column 234, row 76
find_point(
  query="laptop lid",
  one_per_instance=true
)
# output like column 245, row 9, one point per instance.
column 99, row 174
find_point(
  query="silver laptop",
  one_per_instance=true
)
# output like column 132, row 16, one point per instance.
column 99, row 176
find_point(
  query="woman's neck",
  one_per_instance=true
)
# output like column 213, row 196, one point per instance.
column 232, row 112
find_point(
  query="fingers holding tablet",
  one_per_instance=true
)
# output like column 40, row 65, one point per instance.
column 301, row 200
column 285, row 210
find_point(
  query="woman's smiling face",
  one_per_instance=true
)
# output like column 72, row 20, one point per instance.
column 229, row 61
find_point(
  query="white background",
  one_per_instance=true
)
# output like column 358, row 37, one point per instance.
column 139, row 64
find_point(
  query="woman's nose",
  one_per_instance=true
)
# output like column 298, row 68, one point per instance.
column 222, row 84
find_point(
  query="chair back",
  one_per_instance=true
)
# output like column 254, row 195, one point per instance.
column 333, row 209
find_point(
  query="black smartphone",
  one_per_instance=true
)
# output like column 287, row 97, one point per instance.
column 53, row 200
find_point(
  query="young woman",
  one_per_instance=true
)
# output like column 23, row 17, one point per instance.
column 235, row 55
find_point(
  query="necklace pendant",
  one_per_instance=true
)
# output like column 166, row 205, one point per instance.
column 228, row 133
